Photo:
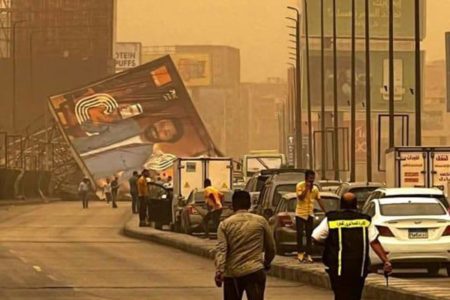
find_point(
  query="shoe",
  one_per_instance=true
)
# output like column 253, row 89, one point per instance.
column 309, row 259
column 301, row 256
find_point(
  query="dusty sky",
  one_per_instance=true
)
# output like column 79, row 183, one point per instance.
column 257, row 27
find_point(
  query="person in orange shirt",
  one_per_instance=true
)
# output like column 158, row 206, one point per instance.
column 213, row 200
column 143, row 194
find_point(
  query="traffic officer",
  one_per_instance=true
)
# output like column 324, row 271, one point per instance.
column 347, row 235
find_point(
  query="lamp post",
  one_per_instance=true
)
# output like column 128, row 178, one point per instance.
column 418, row 89
column 353, row 99
column 335, row 97
column 298, row 105
column 322, row 93
column 14, row 70
column 368, row 95
column 391, row 74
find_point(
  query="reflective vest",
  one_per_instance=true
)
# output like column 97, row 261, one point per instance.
column 347, row 245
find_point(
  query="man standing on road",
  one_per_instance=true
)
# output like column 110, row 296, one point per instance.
column 307, row 193
column 143, row 193
column 242, row 240
column 83, row 191
column 347, row 235
column 134, row 192
column 115, row 191
column 107, row 190
column 213, row 200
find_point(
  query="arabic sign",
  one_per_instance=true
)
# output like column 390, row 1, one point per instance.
column 127, row 56
column 412, row 169
column 194, row 68
column 441, row 167
column 379, row 15
column 124, row 122
column 403, row 72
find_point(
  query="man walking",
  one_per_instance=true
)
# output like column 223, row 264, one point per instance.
column 107, row 190
column 115, row 191
column 83, row 191
column 213, row 200
column 307, row 193
column 134, row 192
column 143, row 193
column 347, row 235
column 242, row 240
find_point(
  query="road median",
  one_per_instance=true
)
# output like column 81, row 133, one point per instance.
column 287, row 267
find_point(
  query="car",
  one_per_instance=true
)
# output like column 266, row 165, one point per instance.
column 383, row 193
column 329, row 185
column 160, row 204
column 360, row 189
column 414, row 230
column 274, row 188
column 282, row 222
column 194, row 209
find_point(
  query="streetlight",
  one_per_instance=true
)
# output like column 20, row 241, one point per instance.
column 418, row 90
column 368, row 95
column 335, row 97
column 353, row 98
column 308, row 86
column 13, row 54
column 391, row 74
column 298, row 114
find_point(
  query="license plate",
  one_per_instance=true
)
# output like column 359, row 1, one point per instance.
column 418, row 233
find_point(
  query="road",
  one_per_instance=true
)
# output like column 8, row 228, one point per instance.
column 60, row 251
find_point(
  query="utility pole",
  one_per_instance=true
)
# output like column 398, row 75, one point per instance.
column 353, row 100
column 335, row 97
column 391, row 74
column 308, row 87
column 322, row 94
column 418, row 89
column 368, row 96
column 298, row 114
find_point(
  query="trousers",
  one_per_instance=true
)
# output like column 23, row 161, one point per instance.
column 84, row 199
column 213, row 216
column 253, row 285
column 143, row 204
column 347, row 287
column 305, row 226
column 134, row 203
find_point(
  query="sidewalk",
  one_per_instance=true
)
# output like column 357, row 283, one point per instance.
column 288, row 268
column 13, row 202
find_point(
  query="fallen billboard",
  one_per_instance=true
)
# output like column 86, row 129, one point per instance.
column 131, row 120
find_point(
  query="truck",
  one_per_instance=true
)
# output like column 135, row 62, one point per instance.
column 190, row 173
column 413, row 166
column 257, row 161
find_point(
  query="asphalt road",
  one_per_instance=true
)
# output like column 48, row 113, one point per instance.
column 60, row 251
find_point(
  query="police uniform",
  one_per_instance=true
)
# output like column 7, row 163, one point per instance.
column 347, row 235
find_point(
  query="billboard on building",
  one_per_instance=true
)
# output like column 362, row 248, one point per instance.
column 404, row 80
column 379, row 15
column 194, row 68
column 130, row 120
column 127, row 56
column 447, row 61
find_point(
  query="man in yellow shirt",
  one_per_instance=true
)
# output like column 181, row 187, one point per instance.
column 307, row 193
column 213, row 200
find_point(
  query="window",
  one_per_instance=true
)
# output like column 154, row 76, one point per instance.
column 412, row 209
column 282, row 190
column 371, row 209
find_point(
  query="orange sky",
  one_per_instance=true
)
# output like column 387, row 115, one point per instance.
column 257, row 27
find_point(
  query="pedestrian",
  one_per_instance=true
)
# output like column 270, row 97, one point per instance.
column 307, row 194
column 213, row 200
column 240, row 262
column 143, row 193
column 83, row 191
column 347, row 235
column 107, row 190
column 134, row 192
column 115, row 191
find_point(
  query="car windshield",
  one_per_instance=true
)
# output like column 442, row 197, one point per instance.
column 330, row 203
column 441, row 198
column 282, row 190
column 362, row 193
column 199, row 197
column 412, row 209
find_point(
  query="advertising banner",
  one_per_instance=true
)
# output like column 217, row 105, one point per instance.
column 194, row 68
column 127, row 56
column 131, row 120
column 412, row 169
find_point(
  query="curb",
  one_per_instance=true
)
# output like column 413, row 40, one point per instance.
column 284, row 268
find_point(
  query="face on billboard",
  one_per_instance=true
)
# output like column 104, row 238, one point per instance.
column 130, row 120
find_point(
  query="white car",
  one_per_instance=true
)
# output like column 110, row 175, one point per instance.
column 415, row 231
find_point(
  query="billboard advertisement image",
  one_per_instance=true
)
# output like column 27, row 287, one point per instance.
column 138, row 118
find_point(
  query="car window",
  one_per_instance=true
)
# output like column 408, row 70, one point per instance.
column 412, row 209
column 249, row 185
column 371, row 209
column 281, row 190
column 330, row 203
column 259, row 182
column 264, row 195
column 292, row 205
column 362, row 193
column 441, row 198
column 281, row 207
column 156, row 191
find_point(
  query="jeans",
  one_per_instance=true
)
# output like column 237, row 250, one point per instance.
column 253, row 285
column 347, row 287
column 114, row 199
column 84, row 199
column 143, row 204
column 134, row 203
column 307, row 226
column 213, row 216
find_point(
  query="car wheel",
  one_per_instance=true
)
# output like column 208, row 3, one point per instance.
column 280, row 249
column 433, row 270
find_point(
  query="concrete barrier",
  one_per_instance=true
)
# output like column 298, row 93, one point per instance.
column 287, row 268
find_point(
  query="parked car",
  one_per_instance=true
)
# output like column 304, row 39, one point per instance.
column 410, row 192
column 194, row 209
column 283, row 220
column 414, row 230
column 360, row 189
column 329, row 185
column 274, row 188
column 160, row 204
